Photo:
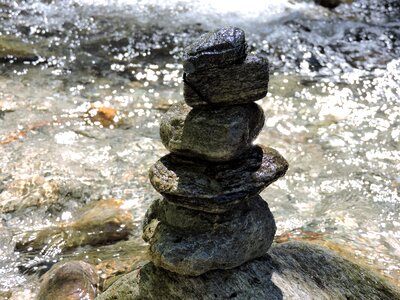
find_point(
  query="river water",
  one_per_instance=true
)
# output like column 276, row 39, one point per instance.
column 332, row 110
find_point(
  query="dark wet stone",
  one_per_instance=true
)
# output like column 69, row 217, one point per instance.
column 219, row 134
column 216, row 187
column 293, row 270
column 219, row 242
column 236, row 84
column 73, row 280
column 223, row 47
column 331, row 3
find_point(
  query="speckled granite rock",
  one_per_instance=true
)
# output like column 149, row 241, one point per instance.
column 213, row 134
column 216, row 187
column 73, row 280
column 236, row 84
column 291, row 271
column 216, row 245
column 219, row 48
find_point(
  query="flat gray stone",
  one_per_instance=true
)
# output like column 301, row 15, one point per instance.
column 219, row 48
column 235, row 84
column 216, row 187
column 218, row 134
column 222, row 244
column 291, row 271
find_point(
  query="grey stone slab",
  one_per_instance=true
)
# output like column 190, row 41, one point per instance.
column 216, row 187
column 235, row 84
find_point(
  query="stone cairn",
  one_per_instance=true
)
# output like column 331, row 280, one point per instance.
column 211, row 215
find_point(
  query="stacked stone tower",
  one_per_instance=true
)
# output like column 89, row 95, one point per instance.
column 211, row 215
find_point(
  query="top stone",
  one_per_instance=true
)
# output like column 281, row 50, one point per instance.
column 220, row 48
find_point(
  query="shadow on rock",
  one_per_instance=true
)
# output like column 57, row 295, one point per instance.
column 292, row 270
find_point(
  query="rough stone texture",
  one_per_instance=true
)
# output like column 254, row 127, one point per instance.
column 72, row 280
column 236, row 84
column 216, row 187
column 216, row 245
column 219, row 134
column 219, row 48
column 292, row 271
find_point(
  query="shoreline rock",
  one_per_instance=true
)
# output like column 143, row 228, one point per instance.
column 293, row 270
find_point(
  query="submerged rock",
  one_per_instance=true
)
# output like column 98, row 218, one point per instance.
column 26, row 192
column 294, row 271
column 12, row 49
column 246, row 234
column 101, row 222
column 213, row 134
column 74, row 280
column 236, row 84
column 216, row 187
column 105, row 116
column 219, row 48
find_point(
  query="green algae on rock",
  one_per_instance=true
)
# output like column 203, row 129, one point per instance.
column 293, row 270
column 216, row 187
column 222, row 244
column 220, row 134
column 236, row 84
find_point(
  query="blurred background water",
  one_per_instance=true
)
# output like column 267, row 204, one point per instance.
column 84, row 83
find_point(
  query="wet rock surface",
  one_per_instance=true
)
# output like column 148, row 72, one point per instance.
column 235, row 84
column 211, row 134
column 223, row 244
column 101, row 222
column 27, row 192
column 72, row 280
column 292, row 270
column 372, row 11
column 12, row 49
column 220, row 48
column 215, row 187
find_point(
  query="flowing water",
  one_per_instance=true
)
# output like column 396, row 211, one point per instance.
column 83, row 84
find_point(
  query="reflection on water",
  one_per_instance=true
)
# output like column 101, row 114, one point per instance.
column 84, row 83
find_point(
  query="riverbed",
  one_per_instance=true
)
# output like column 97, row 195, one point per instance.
column 84, row 83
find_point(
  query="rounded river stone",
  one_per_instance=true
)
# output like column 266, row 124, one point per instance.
column 225, row 245
column 218, row 134
column 216, row 187
column 219, row 48
column 73, row 280
column 236, row 84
